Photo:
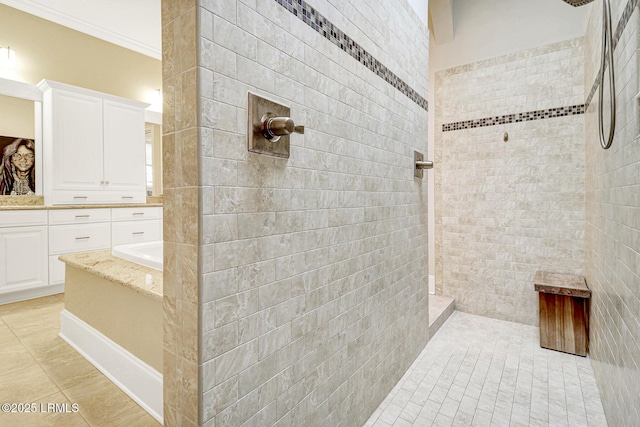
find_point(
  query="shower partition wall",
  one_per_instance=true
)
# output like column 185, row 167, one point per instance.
column 295, row 289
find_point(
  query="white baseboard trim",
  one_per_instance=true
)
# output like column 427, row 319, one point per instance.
column 25, row 294
column 432, row 284
column 133, row 376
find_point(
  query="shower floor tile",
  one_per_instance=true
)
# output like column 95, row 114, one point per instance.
column 38, row 368
column 478, row 371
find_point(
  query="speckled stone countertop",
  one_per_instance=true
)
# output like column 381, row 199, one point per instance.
column 141, row 279
column 11, row 203
column 28, row 202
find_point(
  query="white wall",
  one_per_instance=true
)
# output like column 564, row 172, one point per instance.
column 484, row 29
column 488, row 28
column 421, row 8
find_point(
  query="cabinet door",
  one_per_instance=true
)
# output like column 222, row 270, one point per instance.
column 23, row 258
column 77, row 141
column 124, row 149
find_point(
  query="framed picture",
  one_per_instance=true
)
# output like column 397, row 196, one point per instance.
column 17, row 171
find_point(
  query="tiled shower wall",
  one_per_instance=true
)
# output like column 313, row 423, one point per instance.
column 181, row 225
column 505, row 209
column 313, row 280
column 612, row 250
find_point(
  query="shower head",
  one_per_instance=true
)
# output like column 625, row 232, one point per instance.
column 576, row 3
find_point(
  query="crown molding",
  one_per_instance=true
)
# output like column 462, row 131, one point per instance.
column 16, row 89
column 33, row 8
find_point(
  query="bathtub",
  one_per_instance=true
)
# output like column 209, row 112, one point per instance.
column 148, row 254
column 113, row 318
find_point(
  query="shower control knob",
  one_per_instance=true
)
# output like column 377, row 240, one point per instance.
column 424, row 164
column 275, row 127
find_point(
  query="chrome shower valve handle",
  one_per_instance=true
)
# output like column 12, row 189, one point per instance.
column 275, row 127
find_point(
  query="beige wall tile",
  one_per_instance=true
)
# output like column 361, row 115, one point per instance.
column 507, row 209
column 612, row 245
column 309, row 255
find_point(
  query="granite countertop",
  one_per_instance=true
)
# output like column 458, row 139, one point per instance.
column 141, row 279
column 12, row 203
column 58, row 207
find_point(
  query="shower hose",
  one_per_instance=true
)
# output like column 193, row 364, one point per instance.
column 607, row 41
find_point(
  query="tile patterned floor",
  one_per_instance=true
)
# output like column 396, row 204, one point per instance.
column 36, row 366
column 478, row 371
column 475, row 371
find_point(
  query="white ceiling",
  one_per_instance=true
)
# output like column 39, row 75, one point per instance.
column 134, row 24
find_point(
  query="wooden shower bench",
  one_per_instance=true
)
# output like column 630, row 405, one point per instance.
column 564, row 312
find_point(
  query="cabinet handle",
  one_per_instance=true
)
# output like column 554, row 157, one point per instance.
column 137, row 213
column 80, row 197
column 138, row 233
column 127, row 197
column 83, row 216
column 83, row 238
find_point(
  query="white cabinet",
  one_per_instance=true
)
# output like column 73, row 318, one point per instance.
column 94, row 229
column 76, row 230
column 23, row 255
column 94, row 148
column 76, row 142
column 136, row 225
column 32, row 239
column 124, row 149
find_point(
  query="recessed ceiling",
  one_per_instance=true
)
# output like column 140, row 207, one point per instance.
column 133, row 24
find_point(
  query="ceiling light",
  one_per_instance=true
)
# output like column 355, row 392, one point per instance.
column 7, row 56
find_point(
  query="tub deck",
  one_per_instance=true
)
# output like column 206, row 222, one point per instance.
column 141, row 279
column 113, row 317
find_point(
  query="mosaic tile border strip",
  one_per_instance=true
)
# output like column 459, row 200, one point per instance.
column 622, row 24
column 322, row 25
column 516, row 118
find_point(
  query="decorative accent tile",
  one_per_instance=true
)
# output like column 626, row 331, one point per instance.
column 322, row 25
column 516, row 118
column 622, row 24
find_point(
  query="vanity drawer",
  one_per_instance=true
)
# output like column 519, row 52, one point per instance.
column 128, row 214
column 19, row 218
column 136, row 231
column 79, row 238
column 96, row 197
column 78, row 216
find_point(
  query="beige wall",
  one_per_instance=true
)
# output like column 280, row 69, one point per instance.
column 507, row 209
column 612, row 249
column 127, row 317
column 17, row 117
column 45, row 50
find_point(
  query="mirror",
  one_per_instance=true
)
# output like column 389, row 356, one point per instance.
column 19, row 147
column 153, row 143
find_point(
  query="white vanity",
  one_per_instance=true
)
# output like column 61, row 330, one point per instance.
column 90, row 186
